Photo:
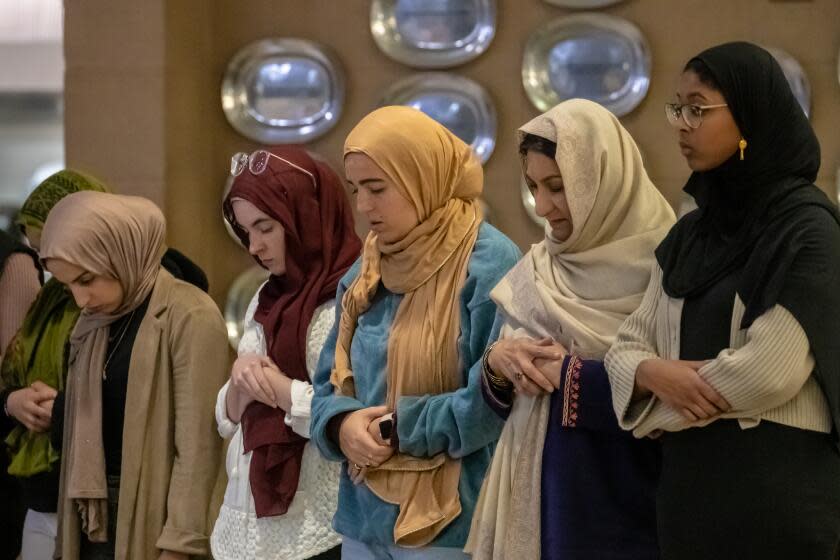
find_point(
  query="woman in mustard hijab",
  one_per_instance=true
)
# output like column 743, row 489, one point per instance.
column 397, row 390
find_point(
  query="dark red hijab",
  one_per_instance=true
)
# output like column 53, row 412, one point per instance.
column 321, row 245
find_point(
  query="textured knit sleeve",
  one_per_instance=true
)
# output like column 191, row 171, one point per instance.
column 634, row 343
column 226, row 426
column 252, row 342
column 769, row 370
column 253, row 338
column 19, row 285
column 298, row 418
column 326, row 405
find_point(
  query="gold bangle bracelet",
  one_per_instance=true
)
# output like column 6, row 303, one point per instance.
column 498, row 381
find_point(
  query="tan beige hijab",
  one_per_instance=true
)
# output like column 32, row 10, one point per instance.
column 578, row 291
column 110, row 235
column 442, row 178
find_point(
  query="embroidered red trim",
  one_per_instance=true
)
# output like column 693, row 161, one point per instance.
column 571, row 392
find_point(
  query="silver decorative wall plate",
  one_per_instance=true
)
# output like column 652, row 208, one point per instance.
column 228, row 227
column 281, row 91
column 796, row 77
column 240, row 294
column 458, row 103
column 433, row 33
column 593, row 56
column 583, row 4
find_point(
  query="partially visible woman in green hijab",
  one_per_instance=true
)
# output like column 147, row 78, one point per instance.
column 33, row 373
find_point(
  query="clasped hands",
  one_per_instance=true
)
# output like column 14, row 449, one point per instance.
column 257, row 378
column 32, row 406
column 533, row 366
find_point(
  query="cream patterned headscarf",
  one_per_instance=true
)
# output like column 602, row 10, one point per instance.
column 578, row 291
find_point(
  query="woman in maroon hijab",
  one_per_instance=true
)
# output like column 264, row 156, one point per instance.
column 292, row 214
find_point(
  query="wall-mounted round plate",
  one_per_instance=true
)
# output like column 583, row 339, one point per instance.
column 796, row 77
column 433, row 33
column 240, row 294
column 593, row 56
column 458, row 103
column 282, row 91
column 228, row 227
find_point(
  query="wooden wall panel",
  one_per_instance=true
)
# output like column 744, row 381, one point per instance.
column 165, row 60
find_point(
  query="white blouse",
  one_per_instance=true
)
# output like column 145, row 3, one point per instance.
column 305, row 530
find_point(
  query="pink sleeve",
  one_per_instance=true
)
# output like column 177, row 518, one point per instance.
column 19, row 285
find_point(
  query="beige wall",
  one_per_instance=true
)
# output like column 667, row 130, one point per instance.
column 143, row 79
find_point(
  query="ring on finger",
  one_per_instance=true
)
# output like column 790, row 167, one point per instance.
column 518, row 375
column 357, row 467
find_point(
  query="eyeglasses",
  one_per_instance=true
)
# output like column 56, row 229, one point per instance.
column 257, row 162
column 692, row 115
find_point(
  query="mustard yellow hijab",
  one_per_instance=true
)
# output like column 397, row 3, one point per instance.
column 442, row 178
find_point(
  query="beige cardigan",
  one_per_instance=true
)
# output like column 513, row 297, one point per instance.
column 172, row 478
column 766, row 374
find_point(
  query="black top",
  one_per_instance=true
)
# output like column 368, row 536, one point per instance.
column 121, row 336
column 707, row 319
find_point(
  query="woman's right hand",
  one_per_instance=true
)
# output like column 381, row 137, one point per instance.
column 360, row 448
column 678, row 384
column 514, row 358
column 26, row 405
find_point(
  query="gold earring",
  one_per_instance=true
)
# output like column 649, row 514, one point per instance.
column 742, row 145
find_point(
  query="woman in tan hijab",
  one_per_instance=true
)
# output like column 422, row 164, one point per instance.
column 566, row 483
column 141, row 462
column 397, row 392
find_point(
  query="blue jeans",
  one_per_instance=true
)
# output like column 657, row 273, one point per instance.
column 356, row 550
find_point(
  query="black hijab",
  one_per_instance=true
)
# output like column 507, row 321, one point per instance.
column 763, row 215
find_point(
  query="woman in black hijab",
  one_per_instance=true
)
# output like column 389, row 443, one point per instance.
column 733, row 353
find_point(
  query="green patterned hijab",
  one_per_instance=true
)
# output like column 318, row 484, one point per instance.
column 50, row 191
column 38, row 352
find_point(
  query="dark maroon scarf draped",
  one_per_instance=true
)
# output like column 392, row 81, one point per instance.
column 321, row 245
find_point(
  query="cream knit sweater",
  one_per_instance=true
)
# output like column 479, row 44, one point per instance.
column 765, row 374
